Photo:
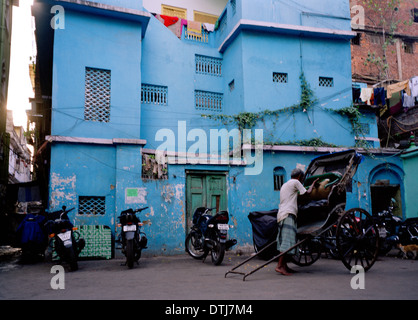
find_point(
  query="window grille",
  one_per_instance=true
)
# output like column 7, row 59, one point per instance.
column 363, row 128
column 154, row 94
column 211, row 101
column 91, row 205
column 280, row 77
column 326, row 82
column 97, row 95
column 278, row 176
column 208, row 65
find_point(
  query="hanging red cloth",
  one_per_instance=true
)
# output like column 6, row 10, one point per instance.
column 168, row 21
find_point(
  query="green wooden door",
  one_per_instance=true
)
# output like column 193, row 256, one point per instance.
column 205, row 190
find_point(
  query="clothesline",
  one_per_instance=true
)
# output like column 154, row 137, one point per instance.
column 393, row 98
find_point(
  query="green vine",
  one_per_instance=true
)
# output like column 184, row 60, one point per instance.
column 247, row 120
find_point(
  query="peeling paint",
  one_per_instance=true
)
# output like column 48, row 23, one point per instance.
column 62, row 190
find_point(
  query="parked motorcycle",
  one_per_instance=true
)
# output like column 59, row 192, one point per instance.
column 132, row 239
column 209, row 234
column 393, row 230
column 66, row 240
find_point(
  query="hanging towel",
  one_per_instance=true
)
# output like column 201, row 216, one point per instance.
column 408, row 101
column 168, row 20
column 379, row 96
column 404, row 85
column 209, row 27
column 366, row 95
column 413, row 84
column 194, row 28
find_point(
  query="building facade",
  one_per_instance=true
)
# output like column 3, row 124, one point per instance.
column 175, row 113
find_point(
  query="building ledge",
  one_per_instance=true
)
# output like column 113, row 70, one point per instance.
column 106, row 10
column 95, row 140
column 279, row 28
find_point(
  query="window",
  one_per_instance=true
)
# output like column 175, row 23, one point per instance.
column 208, row 65
column 174, row 11
column 356, row 40
column 326, row 82
column 204, row 17
column 376, row 39
column 205, row 100
column 231, row 85
column 153, row 94
column 278, row 175
column 363, row 129
column 91, row 205
column 279, row 77
column 97, row 95
column 414, row 13
column 408, row 46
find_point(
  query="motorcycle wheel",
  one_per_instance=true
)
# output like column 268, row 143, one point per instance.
column 72, row 258
column 192, row 245
column 130, row 253
column 218, row 253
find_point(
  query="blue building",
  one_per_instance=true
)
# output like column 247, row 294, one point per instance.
column 148, row 110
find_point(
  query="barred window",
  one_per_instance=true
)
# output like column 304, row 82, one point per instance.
column 280, row 77
column 205, row 100
column 91, row 205
column 153, row 94
column 326, row 82
column 208, row 65
column 97, row 95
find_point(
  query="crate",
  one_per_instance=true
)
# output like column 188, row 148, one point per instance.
column 98, row 241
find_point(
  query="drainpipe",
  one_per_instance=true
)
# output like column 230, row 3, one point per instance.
column 398, row 56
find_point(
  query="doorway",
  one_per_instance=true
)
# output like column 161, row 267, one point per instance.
column 381, row 195
column 204, row 189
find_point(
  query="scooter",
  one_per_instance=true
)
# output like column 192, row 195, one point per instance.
column 65, row 239
column 394, row 231
column 209, row 234
column 132, row 239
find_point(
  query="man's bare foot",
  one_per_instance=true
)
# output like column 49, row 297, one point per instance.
column 283, row 271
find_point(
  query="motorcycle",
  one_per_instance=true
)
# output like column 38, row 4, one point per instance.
column 132, row 239
column 209, row 234
column 394, row 231
column 66, row 240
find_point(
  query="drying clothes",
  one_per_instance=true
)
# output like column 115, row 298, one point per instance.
column 413, row 84
column 396, row 108
column 404, row 85
column 194, row 28
column 356, row 95
column 379, row 96
column 408, row 101
column 366, row 95
column 176, row 28
column 168, row 20
column 209, row 27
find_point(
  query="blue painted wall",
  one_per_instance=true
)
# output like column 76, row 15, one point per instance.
column 160, row 58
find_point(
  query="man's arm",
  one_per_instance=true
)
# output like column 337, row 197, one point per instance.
column 312, row 186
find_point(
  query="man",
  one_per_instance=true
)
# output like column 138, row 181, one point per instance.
column 286, row 217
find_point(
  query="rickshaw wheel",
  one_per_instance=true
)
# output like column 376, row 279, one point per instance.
column 357, row 239
column 307, row 252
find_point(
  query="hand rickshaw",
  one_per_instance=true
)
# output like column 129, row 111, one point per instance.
column 323, row 223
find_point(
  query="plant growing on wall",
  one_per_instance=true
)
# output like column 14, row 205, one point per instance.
column 247, row 120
